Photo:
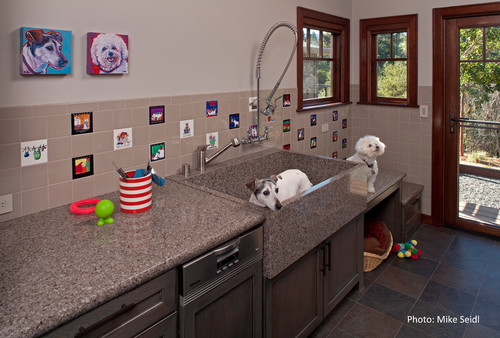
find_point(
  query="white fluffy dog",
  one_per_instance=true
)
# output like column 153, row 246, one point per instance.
column 367, row 149
column 110, row 53
column 271, row 192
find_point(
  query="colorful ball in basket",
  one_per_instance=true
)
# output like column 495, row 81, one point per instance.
column 135, row 193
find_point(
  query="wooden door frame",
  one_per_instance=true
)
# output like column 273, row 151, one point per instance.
column 439, row 123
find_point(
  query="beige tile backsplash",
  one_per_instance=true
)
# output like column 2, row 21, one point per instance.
column 39, row 187
column 408, row 138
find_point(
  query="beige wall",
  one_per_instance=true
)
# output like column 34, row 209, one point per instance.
column 363, row 9
column 176, row 47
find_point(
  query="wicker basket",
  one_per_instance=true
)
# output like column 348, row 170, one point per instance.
column 371, row 261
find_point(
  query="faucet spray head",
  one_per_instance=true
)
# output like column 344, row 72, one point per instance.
column 235, row 142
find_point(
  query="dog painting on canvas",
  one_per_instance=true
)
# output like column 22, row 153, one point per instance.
column 107, row 53
column 45, row 51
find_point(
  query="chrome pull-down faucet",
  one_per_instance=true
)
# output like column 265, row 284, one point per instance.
column 203, row 160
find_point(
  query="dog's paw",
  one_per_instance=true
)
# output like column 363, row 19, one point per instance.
column 371, row 189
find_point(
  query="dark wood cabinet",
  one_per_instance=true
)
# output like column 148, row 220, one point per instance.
column 294, row 299
column 297, row 300
column 343, row 267
column 232, row 309
column 146, row 311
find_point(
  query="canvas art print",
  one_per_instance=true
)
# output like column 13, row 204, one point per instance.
column 107, row 53
column 45, row 51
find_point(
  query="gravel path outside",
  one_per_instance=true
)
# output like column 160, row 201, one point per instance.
column 479, row 190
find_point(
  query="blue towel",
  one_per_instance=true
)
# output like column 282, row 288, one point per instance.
column 139, row 173
column 159, row 180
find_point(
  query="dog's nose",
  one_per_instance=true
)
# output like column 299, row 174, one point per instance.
column 110, row 54
column 278, row 206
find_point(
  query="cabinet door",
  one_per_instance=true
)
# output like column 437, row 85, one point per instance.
column 294, row 305
column 233, row 309
column 343, row 254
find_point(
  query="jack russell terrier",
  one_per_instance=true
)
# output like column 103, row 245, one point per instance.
column 271, row 192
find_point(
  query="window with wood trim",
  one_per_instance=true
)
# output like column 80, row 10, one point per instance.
column 388, row 60
column 322, row 59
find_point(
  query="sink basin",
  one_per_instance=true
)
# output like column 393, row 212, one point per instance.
column 231, row 179
column 338, row 196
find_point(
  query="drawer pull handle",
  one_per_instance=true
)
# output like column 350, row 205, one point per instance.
column 84, row 331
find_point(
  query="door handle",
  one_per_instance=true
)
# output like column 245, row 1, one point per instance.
column 323, row 265
column 328, row 254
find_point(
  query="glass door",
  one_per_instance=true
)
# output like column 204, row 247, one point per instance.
column 473, row 108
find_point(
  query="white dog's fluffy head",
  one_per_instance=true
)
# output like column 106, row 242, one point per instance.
column 370, row 146
column 108, row 51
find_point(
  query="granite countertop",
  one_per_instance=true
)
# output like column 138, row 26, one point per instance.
column 410, row 190
column 55, row 266
column 338, row 196
column 386, row 179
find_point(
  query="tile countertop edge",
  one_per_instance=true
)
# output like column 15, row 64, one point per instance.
column 36, row 298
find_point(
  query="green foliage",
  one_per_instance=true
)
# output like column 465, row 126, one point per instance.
column 391, row 79
column 392, row 75
column 480, row 86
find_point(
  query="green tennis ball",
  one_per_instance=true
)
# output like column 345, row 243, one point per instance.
column 104, row 209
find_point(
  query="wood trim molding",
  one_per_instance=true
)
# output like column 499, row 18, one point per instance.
column 322, row 20
column 367, row 79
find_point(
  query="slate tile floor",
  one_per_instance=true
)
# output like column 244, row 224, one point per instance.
column 457, row 275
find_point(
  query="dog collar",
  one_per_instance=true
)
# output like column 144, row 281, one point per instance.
column 370, row 165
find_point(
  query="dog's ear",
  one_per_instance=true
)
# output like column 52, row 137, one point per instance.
column 56, row 35
column 276, row 177
column 252, row 184
column 34, row 35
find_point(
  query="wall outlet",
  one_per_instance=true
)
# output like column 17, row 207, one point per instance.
column 424, row 111
column 6, row 204
column 324, row 127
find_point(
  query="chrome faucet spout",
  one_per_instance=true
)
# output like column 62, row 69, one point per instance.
column 203, row 160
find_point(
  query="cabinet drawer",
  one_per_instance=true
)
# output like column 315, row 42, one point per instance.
column 167, row 327
column 126, row 315
column 412, row 208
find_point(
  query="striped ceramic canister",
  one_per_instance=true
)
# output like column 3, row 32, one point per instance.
column 135, row 194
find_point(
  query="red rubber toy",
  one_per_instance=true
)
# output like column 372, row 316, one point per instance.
column 75, row 207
